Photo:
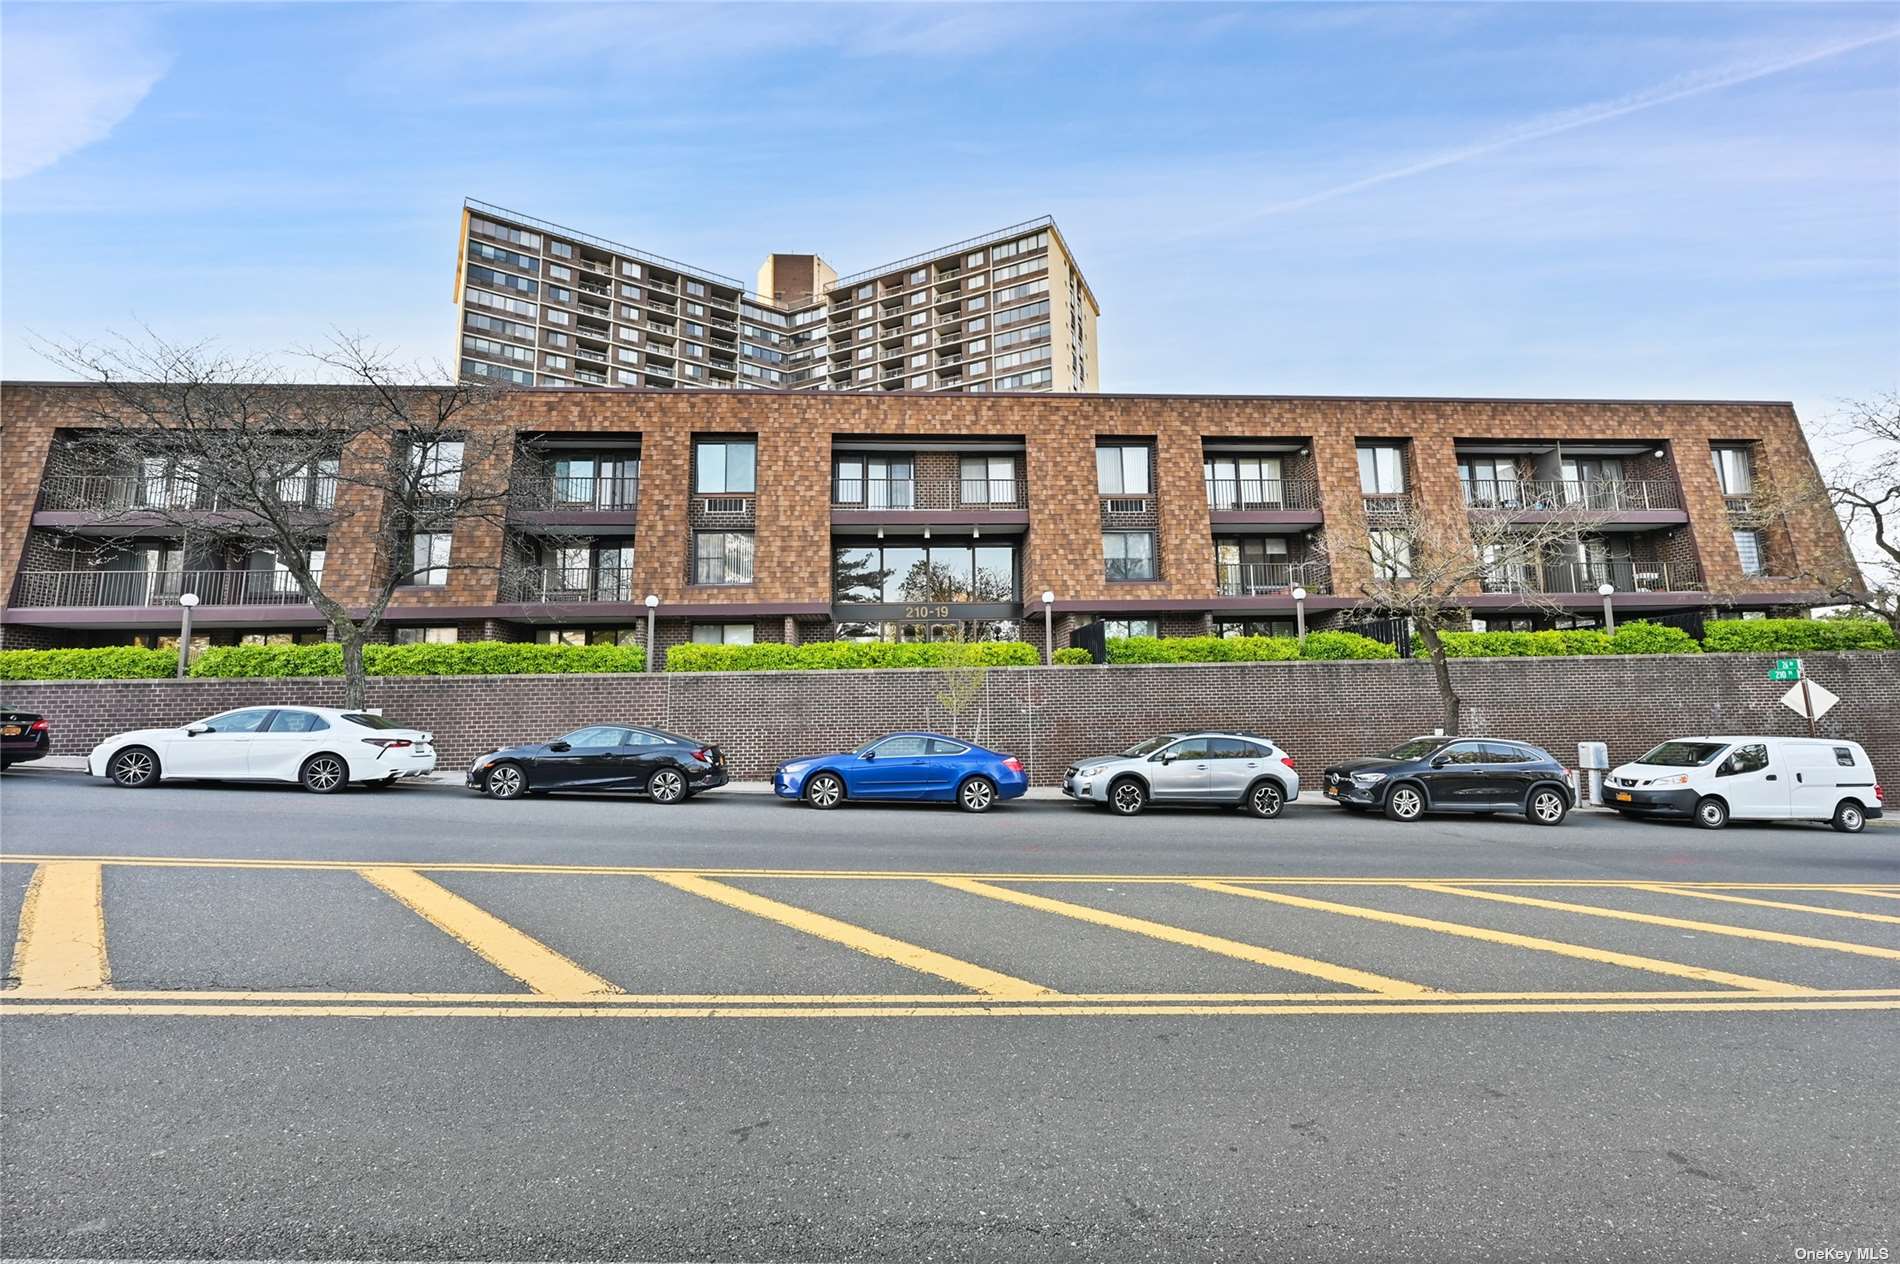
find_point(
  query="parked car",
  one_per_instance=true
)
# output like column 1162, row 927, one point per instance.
column 1713, row 780
column 1455, row 774
column 321, row 748
column 920, row 767
column 664, row 766
column 1235, row 770
column 23, row 736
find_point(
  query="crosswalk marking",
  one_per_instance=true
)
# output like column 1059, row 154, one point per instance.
column 62, row 941
column 1679, row 923
column 1193, row 939
column 1821, row 909
column 962, row 973
column 1580, row 951
column 502, row 945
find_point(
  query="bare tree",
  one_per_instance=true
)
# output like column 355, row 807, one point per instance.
column 233, row 456
column 1423, row 567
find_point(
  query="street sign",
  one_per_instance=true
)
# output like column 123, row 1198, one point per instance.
column 1817, row 700
column 1785, row 669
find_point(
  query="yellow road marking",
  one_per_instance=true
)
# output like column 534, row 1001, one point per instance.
column 1603, row 955
column 868, row 942
column 1192, row 939
column 1885, row 895
column 1823, row 910
column 502, row 945
column 1652, row 919
column 62, row 941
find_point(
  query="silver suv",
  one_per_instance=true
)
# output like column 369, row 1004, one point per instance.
column 1235, row 770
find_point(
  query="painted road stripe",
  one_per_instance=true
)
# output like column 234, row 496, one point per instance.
column 1192, row 939
column 1652, row 919
column 1773, row 904
column 1579, row 951
column 869, row 942
column 62, row 941
column 508, row 949
column 1884, row 895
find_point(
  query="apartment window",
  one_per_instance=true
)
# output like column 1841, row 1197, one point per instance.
column 1027, row 288
column 1034, row 355
column 557, row 362
column 1748, row 547
column 437, row 466
column 556, row 317
column 864, row 291
column 722, row 557
column 429, row 558
column 1130, row 627
column 696, row 288
column 978, row 346
column 500, row 280
column 919, row 361
column 978, row 368
column 626, row 355
column 443, row 635
column 1735, row 470
column 1122, row 469
column 918, row 277
column 1130, row 554
column 1028, row 311
column 629, row 269
column 974, row 259
column 692, row 370
column 561, row 249
column 500, row 373
column 587, row 636
column 560, row 295
column 1033, row 333
column 904, row 573
column 280, row 638
column 1382, row 469
column 517, row 236
column 921, row 381
column 627, row 379
column 559, row 273
column 920, row 340
column 626, row 334
column 1024, row 381
column 1391, row 554
column 1230, row 628
column 482, row 298
column 865, row 375
column 723, row 634
column 865, row 353
column 507, row 258
column 725, row 467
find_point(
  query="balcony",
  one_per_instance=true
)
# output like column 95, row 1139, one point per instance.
column 1248, row 494
column 93, row 589
column 131, row 493
column 1257, row 579
column 1556, row 495
column 537, row 585
column 1584, row 578
column 1387, row 507
column 578, row 494
column 928, row 493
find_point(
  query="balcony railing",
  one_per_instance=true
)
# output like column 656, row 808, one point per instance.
column 1253, row 579
column 927, row 493
column 1741, row 505
column 1586, row 577
column 1608, row 495
column 1386, row 506
column 579, row 493
column 1246, row 494
column 129, row 493
column 157, row 588
column 567, row 583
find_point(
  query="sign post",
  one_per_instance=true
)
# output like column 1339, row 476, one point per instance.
column 1811, row 700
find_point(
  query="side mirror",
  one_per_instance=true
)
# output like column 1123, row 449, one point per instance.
column 192, row 730
column 559, row 746
column 1440, row 761
column 867, row 755
column 1166, row 757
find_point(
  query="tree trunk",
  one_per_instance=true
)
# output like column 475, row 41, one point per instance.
column 1441, row 670
column 355, row 679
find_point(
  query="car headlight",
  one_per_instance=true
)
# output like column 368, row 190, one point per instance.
column 1364, row 779
column 1671, row 781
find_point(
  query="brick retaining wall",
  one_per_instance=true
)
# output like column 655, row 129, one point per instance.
column 1050, row 717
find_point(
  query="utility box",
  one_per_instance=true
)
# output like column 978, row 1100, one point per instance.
column 1593, row 756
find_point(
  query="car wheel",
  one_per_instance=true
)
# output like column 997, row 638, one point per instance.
column 1127, row 797
column 1405, row 803
column 1265, row 800
column 505, row 781
column 134, row 768
column 666, row 786
column 976, row 794
column 1849, row 818
column 324, row 774
column 1547, row 807
column 824, row 791
column 1711, row 813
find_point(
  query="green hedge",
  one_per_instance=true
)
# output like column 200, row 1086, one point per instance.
column 1630, row 638
column 1074, row 656
column 466, row 658
column 844, row 655
column 116, row 662
column 1244, row 649
column 1763, row 636
column 1321, row 645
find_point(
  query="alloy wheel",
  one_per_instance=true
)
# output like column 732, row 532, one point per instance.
column 977, row 795
column 1406, row 803
column 666, row 786
column 133, row 768
column 323, row 774
column 505, row 782
column 1266, row 800
column 824, row 791
column 1127, row 798
column 1548, row 807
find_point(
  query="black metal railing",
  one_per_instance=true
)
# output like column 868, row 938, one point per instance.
column 568, row 583
column 95, row 588
column 1587, row 577
column 1243, row 494
column 1386, row 506
column 1253, row 579
column 129, row 493
column 581, row 492
column 1610, row 495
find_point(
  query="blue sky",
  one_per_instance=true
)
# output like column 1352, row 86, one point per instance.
column 1617, row 200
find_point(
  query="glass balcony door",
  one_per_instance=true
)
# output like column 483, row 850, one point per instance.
column 1244, row 482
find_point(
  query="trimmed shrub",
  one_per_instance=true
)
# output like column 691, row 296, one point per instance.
column 1074, row 656
column 1764, row 636
column 1511, row 644
column 1201, row 649
column 228, row 661
column 1652, row 638
column 1329, row 645
column 847, row 655
column 466, row 658
column 112, row 662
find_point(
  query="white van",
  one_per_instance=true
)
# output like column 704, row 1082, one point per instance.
column 1751, row 778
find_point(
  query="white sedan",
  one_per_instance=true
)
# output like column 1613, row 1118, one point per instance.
column 322, row 749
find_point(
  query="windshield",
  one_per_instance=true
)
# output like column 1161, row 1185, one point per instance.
column 1684, row 754
column 1417, row 748
column 369, row 721
column 1153, row 744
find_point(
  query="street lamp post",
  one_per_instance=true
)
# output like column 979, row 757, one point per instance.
column 1299, row 614
column 1609, row 610
column 1048, row 627
column 653, row 603
column 185, row 602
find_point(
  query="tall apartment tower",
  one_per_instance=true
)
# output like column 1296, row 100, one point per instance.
column 543, row 305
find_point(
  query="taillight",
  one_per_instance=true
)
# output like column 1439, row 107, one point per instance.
column 1877, row 795
column 1012, row 763
column 39, row 726
column 1288, row 761
column 388, row 743
column 703, row 755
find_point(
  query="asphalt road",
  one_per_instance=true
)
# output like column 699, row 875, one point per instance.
column 419, row 1024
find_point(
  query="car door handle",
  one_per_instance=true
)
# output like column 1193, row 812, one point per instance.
column 1772, row 777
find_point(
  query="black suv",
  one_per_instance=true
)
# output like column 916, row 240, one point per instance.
column 1454, row 774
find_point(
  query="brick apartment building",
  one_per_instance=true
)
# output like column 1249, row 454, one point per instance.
column 779, row 515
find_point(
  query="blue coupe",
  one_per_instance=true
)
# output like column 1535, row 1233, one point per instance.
column 916, row 767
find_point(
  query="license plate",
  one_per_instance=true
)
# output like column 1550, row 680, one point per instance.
column 11, row 730
column 423, row 750
column 1332, row 790
column 1622, row 798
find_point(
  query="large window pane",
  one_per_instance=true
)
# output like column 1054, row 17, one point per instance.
column 725, row 466
column 1381, row 470
column 856, row 575
column 951, row 573
column 995, row 574
column 903, row 570
column 1130, row 554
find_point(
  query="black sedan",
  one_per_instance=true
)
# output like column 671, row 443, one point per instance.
column 666, row 767
column 23, row 736
column 1454, row 774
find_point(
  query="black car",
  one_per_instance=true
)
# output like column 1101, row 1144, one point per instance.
column 665, row 766
column 1454, row 774
column 23, row 736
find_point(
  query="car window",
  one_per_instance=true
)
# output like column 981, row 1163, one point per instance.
column 1467, row 753
column 1192, row 748
column 1751, row 758
column 1417, row 748
column 297, row 722
column 640, row 737
column 944, row 746
column 901, row 747
column 1683, row 754
column 598, row 735
column 369, row 721
column 1502, row 753
column 1231, row 748
column 1844, row 756
column 1150, row 746
column 238, row 721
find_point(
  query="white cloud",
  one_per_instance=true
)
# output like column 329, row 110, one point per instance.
column 72, row 74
